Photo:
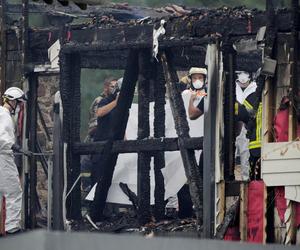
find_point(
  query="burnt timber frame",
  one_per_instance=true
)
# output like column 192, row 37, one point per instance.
column 139, row 54
column 90, row 54
column 121, row 146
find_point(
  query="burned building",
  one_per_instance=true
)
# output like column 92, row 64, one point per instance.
column 151, row 46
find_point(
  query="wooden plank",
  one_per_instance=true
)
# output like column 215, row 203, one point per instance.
column 243, row 211
column 230, row 215
column 267, row 113
column 220, row 203
column 58, row 170
column 281, row 150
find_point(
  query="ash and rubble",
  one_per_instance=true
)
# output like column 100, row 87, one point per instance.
column 127, row 222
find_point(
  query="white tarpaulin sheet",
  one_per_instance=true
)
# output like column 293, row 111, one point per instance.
column 126, row 168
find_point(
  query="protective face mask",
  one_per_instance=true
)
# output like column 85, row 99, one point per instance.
column 198, row 84
column 242, row 85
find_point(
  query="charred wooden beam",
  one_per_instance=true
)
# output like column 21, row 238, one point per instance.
column 119, row 121
column 144, row 158
column 230, row 216
column 134, row 44
column 159, row 132
column 229, row 118
column 131, row 195
column 70, row 93
column 32, row 107
column 181, row 125
column 135, row 146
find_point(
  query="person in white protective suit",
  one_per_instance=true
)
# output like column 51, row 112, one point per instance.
column 197, row 80
column 244, row 87
column 10, row 186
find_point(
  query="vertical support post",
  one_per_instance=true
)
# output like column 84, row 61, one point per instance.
column 50, row 193
column 229, row 119
column 58, row 173
column 143, row 132
column 292, row 132
column 70, row 94
column 32, row 110
column 182, row 129
column 159, row 132
column 209, row 150
column 119, row 123
column 74, row 127
column 243, row 211
column 3, row 49
column 24, row 35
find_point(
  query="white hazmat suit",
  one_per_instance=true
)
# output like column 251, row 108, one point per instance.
column 10, row 186
column 242, row 142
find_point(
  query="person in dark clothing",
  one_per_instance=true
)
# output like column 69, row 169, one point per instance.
column 103, row 131
column 253, row 122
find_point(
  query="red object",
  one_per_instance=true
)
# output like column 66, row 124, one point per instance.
column 3, row 211
column 281, row 125
column 280, row 202
column 255, row 211
column 232, row 234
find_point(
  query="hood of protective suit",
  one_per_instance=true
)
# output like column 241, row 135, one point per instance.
column 7, row 130
column 242, row 94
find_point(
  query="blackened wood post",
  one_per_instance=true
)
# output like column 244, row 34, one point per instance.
column 144, row 158
column 182, row 129
column 229, row 118
column 70, row 94
column 159, row 132
column 119, row 123
column 32, row 108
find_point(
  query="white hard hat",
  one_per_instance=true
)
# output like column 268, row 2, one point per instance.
column 195, row 70
column 243, row 77
column 14, row 93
